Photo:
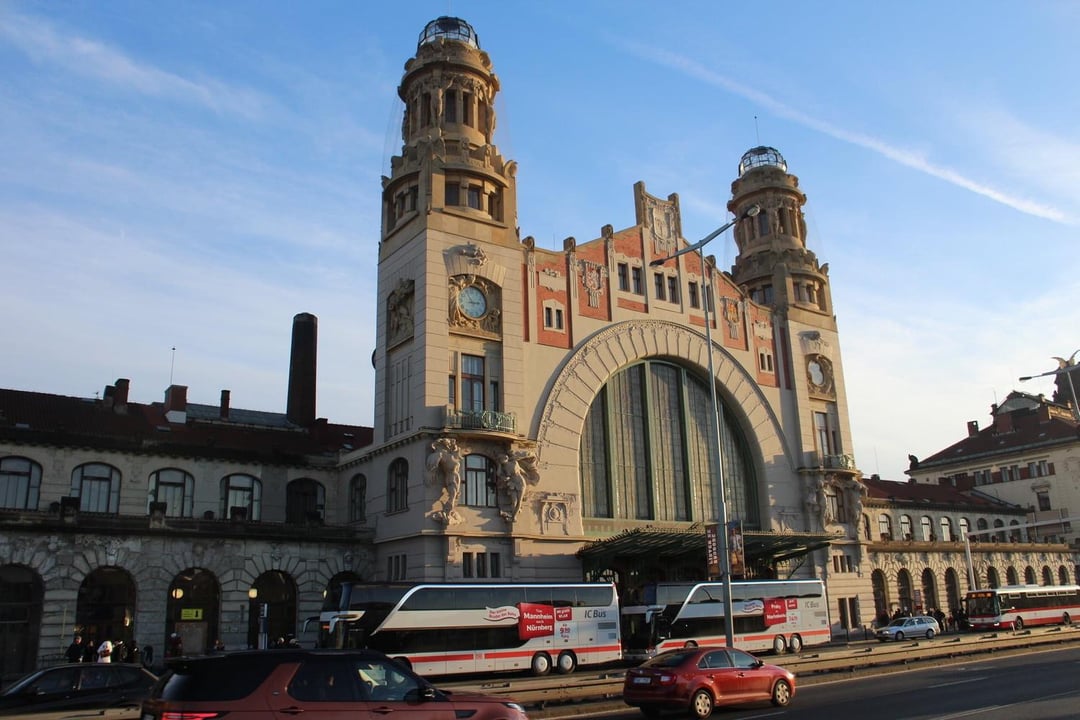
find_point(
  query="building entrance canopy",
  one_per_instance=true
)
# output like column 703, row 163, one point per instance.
column 676, row 549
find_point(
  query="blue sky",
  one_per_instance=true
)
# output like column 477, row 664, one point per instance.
column 191, row 175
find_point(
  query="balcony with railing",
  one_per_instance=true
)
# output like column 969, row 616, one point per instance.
column 491, row 420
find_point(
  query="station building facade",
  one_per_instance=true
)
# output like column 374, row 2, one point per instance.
column 541, row 415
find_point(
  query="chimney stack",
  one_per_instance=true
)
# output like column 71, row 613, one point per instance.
column 973, row 428
column 224, row 404
column 176, row 404
column 301, row 402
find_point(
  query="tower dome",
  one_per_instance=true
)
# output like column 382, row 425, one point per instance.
column 449, row 28
column 761, row 156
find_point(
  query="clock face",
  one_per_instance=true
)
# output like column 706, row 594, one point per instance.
column 472, row 301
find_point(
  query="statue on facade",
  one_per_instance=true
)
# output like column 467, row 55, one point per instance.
column 444, row 467
column 516, row 471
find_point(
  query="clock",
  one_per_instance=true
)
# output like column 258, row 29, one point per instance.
column 472, row 302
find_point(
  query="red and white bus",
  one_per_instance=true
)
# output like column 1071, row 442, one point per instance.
column 777, row 615
column 1018, row 606
column 449, row 628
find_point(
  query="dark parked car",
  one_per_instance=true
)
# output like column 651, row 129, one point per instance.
column 317, row 684
column 699, row 679
column 77, row 686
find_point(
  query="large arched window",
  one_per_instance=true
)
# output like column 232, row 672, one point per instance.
column 174, row 487
column 993, row 580
column 1047, row 575
column 1063, row 575
column 358, row 499
column 1011, row 578
column 305, row 502
column 647, row 450
column 929, row 591
column 1029, row 575
column 97, row 486
column 397, row 486
column 20, row 483
column 965, row 528
column 479, row 481
column 906, row 590
column 241, row 496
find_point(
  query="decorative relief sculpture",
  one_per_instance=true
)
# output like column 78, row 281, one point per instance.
column 399, row 312
column 516, row 471
column 819, row 375
column 555, row 510
column 592, row 279
column 444, row 467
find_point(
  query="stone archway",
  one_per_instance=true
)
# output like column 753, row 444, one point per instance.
column 273, row 609
column 881, row 596
column 192, row 609
column 106, row 607
column 584, row 374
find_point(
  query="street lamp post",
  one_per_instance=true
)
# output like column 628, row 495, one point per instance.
column 715, row 431
column 1066, row 367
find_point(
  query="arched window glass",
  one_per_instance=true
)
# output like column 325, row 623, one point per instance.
column 305, row 502
column 174, row 487
column 905, row 527
column 479, row 481
column 946, row 529
column 20, row 483
column 965, row 528
column 397, row 486
column 1029, row 575
column 241, row 496
column 927, row 528
column 358, row 499
column 884, row 523
column 97, row 486
column 648, row 451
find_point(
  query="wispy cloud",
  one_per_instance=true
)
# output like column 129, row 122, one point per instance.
column 44, row 43
column 908, row 158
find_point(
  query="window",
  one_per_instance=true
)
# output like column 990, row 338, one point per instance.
column 843, row 564
column 885, row 526
column 965, row 528
column 174, row 488
column 397, row 486
column 834, row 505
column 450, row 108
column 241, row 493
column 472, row 383
column 946, row 530
column 481, row 565
column 849, row 612
column 624, row 276
column 97, row 486
column 673, row 289
column 453, row 193
column 20, row 483
column 637, row 281
column 824, row 436
column 658, row 285
column 479, row 482
column 765, row 361
column 396, row 567
column 646, row 453
column 474, row 197
column 695, row 301
column 466, row 109
column 451, row 392
column 494, row 399
column 1043, row 496
column 358, row 499
column 905, row 528
column 927, row 528
column 305, row 501
column 553, row 318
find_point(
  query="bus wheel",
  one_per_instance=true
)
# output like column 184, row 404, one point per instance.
column 1018, row 623
column 701, row 705
column 779, row 645
column 1066, row 620
column 566, row 663
column 541, row 664
column 795, row 643
column 403, row 662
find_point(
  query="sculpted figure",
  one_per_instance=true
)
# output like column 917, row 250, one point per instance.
column 443, row 466
column 516, row 471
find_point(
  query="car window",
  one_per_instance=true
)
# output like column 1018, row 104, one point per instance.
column 216, row 678
column 743, row 660
column 667, row 660
column 56, row 681
column 93, row 678
column 324, row 680
column 715, row 660
column 387, row 681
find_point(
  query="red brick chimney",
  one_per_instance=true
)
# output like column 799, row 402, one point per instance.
column 176, row 404
column 973, row 428
column 225, row 404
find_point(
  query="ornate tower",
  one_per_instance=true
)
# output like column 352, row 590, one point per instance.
column 448, row 369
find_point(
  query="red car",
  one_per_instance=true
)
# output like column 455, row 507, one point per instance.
column 698, row 679
column 313, row 684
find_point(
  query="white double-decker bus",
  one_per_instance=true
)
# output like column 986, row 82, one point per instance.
column 449, row 628
column 777, row 615
column 1020, row 606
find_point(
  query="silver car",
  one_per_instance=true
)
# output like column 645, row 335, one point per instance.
column 920, row 626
